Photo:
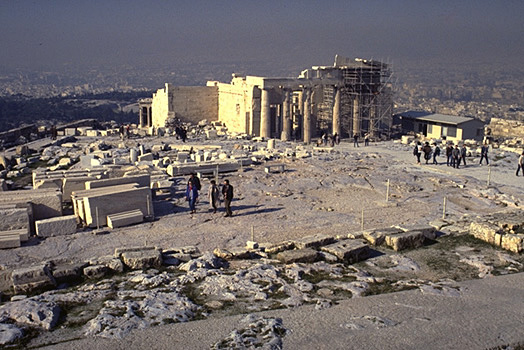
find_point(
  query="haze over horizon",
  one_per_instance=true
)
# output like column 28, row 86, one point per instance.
column 53, row 34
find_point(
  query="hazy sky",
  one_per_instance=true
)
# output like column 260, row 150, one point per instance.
column 51, row 33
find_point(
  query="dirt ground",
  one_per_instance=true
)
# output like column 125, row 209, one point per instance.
column 334, row 193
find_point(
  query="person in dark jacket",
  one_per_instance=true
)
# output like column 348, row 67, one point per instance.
column 484, row 153
column 449, row 155
column 463, row 153
column 427, row 152
column 196, row 181
column 227, row 192
column 455, row 160
column 436, row 153
column 191, row 196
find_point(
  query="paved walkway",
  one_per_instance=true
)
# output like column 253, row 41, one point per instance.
column 482, row 315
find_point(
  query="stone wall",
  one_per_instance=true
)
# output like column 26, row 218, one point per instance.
column 506, row 128
column 235, row 107
column 187, row 103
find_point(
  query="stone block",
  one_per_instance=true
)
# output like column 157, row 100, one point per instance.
column 272, row 248
column 23, row 234
column 317, row 240
column 306, row 255
column 95, row 271
column 91, row 133
column 203, row 168
column 46, row 203
column 13, row 218
column 405, row 240
column 148, row 157
column 125, row 219
column 70, row 131
column 355, row 235
column 233, row 253
column 251, row 245
column 158, row 148
column 513, row 242
column 141, row 258
column 350, row 251
column 115, row 200
column 64, row 225
column 378, row 236
column 9, row 241
column 140, row 180
column 427, row 230
column 113, row 264
column 485, row 231
column 31, row 278
column 66, row 273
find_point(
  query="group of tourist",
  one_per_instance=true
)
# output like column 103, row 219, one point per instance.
column 214, row 194
column 328, row 140
column 454, row 155
column 356, row 137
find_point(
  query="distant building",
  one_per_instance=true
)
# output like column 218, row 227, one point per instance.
column 350, row 97
column 441, row 126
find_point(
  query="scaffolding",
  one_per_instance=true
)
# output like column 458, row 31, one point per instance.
column 366, row 103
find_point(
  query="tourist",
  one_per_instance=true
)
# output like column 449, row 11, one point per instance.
column 417, row 151
column 484, row 153
column 520, row 165
column 54, row 133
column 427, row 152
column 366, row 139
column 336, row 138
column 191, row 196
column 436, row 153
column 214, row 196
column 355, row 140
column 449, row 154
column 194, row 179
column 324, row 139
column 463, row 153
column 455, row 159
column 227, row 192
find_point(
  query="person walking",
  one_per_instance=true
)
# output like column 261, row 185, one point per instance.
column 366, row 139
column 355, row 140
column 214, row 196
column 449, row 155
column 196, row 181
column 520, row 164
column 463, row 153
column 436, row 153
column 191, row 196
column 336, row 138
column 427, row 152
column 455, row 160
column 484, row 154
column 227, row 192
column 417, row 151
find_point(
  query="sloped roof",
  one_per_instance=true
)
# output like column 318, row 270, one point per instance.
column 436, row 117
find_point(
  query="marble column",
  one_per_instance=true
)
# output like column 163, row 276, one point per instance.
column 286, row 117
column 336, row 112
column 307, row 117
column 141, row 117
column 265, row 114
column 356, row 117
